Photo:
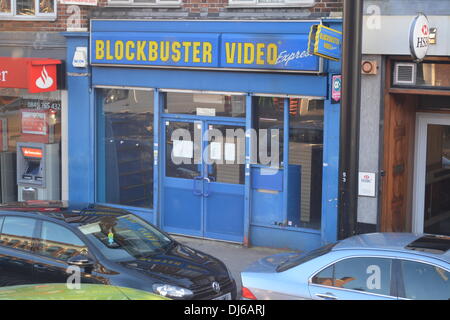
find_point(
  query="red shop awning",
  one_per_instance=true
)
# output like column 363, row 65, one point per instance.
column 34, row 74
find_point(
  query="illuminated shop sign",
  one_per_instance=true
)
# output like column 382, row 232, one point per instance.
column 227, row 51
column 325, row 42
column 36, row 75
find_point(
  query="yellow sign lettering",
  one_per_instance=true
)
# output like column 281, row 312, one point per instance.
column 176, row 53
column 186, row 46
column 140, row 50
column 108, row 50
column 99, row 49
column 196, row 52
column 118, row 50
column 249, row 53
column 164, row 51
column 207, row 52
column 152, row 51
column 129, row 54
column 230, row 51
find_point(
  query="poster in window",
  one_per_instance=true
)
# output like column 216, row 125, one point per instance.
column 34, row 122
column 183, row 149
column 215, row 151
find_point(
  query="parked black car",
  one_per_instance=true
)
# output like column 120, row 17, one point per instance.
column 45, row 242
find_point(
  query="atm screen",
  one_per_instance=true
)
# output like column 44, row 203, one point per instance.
column 33, row 167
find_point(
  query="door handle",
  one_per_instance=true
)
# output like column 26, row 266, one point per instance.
column 207, row 193
column 327, row 296
column 195, row 191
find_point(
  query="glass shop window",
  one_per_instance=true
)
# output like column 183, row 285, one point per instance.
column 281, row 3
column 125, row 152
column 201, row 104
column 30, row 136
column 426, row 75
column 268, row 123
column 306, row 118
column 28, row 9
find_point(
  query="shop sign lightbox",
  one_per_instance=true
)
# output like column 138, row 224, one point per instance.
column 280, row 52
column 36, row 75
column 419, row 37
column 325, row 42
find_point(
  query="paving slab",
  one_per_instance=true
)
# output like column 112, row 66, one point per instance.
column 236, row 257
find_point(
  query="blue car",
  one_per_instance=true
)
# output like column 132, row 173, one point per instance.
column 378, row 266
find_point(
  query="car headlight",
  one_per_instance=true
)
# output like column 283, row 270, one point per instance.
column 167, row 290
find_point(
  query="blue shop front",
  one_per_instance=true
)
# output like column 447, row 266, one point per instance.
column 211, row 129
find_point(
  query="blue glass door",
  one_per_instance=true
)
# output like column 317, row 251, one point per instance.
column 224, row 183
column 203, row 180
column 182, row 205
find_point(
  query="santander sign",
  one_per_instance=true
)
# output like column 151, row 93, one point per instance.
column 42, row 77
column 34, row 74
column 45, row 81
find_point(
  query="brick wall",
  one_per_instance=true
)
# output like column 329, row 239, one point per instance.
column 190, row 9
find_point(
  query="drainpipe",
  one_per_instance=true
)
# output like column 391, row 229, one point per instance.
column 350, row 117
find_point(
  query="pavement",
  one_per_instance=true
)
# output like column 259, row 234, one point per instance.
column 236, row 257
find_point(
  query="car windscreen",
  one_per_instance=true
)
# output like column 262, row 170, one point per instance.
column 125, row 238
column 298, row 260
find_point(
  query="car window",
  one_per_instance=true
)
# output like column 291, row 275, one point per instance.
column 425, row 282
column 59, row 242
column 17, row 232
column 371, row 275
column 324, row 277
column 125, row 238
column 298, row 260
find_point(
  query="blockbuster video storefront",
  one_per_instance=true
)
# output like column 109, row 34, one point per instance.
column 212, row 129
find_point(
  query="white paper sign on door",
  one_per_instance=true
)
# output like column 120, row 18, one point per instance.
column 367, row 184
column 183, row 149
column 215, row 151
column 230, row 152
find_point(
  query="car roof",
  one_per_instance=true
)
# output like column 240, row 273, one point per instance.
column 420, row 244
column 76, row 213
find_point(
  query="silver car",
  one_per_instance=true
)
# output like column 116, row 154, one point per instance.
column 378, row 266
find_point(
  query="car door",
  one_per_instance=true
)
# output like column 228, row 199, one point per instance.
column 56, row 244
column 423, row 281
column 16, row 244
column 355, row 278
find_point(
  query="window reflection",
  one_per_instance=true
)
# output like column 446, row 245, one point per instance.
column 201, row 104
column 17, row 233
column 125, row 238
column 269, row 126
column 5, row 6
column 25, row 7
column 126, row 147
column 46, row 6
column 425, row 282
column 437, row 184
column 306, row 118
column 59, row 242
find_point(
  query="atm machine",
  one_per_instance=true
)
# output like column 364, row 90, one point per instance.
column 38, row 171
